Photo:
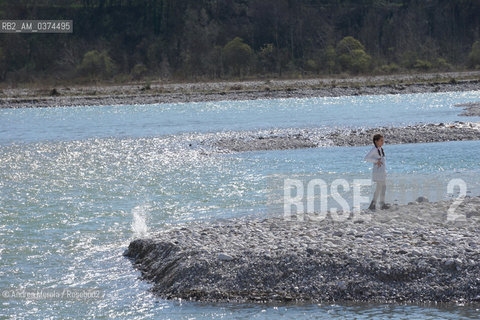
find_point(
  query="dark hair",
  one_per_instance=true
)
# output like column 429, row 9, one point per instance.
column 377, row 137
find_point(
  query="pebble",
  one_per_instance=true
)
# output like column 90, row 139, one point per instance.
column 338, row 233
column 224, row 257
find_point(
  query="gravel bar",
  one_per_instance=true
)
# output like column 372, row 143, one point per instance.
column 471, row 109
column 408, row 253
column 280, row 139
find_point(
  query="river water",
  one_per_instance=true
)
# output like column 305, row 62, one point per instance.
column 77, row 184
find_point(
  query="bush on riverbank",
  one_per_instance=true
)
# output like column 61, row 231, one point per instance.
column 189, row 40
column 352, row 57
column 238, row 56
column 96, row 65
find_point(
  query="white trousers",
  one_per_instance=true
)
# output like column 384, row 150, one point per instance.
column 380, row 191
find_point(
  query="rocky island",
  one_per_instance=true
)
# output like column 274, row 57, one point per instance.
column 409, row 253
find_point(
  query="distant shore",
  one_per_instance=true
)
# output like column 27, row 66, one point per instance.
column 157, row 93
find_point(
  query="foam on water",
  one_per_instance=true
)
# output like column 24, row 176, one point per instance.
column 139, row 223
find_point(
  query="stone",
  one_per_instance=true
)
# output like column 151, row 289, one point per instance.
column 224, row 257
column 422, row 199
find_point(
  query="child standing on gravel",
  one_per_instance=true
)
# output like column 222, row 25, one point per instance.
column 379, row 173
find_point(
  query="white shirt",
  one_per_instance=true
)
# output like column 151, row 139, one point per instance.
column 379, row 173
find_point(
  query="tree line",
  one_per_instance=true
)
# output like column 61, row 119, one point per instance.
column 124, row 40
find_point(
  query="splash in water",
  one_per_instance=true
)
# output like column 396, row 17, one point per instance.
column 139, row 224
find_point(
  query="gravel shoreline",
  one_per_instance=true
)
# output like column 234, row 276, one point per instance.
column 471, row 109
column 408, row 253
column 157, row 93
column 281, row 139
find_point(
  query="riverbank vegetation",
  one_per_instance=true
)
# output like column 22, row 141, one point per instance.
column 198, row 40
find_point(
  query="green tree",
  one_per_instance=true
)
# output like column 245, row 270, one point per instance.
column 423, row 65
column 96, row 65
column 238, row 56
column 267, row 58
column 186, row 39
column 139, row 71
column 351, row 55
column 389, row 68
column 474, row 56
column 329, row 59
column 311, row 65
column 442, row 65
column 347, row 45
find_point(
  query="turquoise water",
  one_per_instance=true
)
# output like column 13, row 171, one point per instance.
column 27, row 125
column 77, row 184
